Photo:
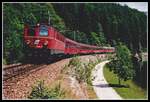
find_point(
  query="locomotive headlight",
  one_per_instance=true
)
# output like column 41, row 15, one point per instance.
column 38, row 24
column 28, row 41
column 46, row 42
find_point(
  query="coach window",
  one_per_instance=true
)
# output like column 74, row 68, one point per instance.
column 43, row 31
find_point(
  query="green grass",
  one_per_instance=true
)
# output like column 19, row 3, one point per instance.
column 132, row 92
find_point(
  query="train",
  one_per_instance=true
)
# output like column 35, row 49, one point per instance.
column 46, row 39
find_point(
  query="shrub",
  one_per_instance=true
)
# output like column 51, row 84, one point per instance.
column 81, row 71
column 42, row 92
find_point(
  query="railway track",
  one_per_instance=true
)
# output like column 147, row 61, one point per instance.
column 18, row 70
column 14, row 71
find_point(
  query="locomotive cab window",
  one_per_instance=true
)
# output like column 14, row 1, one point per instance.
column 31, row 32
column 43, row 31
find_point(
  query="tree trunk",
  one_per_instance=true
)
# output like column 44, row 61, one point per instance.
column 131, row 46
column 119, row 81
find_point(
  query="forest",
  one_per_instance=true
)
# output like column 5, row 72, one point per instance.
column 99, row 24
column 107, row 22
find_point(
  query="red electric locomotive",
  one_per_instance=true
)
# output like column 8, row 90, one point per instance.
column 48, row 38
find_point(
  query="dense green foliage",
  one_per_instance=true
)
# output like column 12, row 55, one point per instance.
column 141, row 72
column 42, row 92
column 113, row 20
column 122, row 64
column 97, row 24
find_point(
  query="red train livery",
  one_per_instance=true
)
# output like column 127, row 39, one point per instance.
column 46, row 37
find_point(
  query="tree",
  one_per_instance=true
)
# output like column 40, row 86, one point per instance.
column 122, row 63
column 94, row 38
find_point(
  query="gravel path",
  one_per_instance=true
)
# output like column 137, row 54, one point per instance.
column 100, row 85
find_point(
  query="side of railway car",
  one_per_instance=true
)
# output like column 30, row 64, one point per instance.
column 73, row 47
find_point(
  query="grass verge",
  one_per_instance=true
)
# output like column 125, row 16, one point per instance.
column 131, row 92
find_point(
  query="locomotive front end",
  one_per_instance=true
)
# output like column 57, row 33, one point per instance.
column 36, row 36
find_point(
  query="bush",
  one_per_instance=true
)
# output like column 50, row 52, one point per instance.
column 42, row 92
column 75, row 61
column 88, row 69
column 81, row 71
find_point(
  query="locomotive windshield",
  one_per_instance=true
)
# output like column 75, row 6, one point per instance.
column 31, row 32
column 43, row 31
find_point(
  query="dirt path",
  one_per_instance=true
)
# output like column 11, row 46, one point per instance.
column 100, row 85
